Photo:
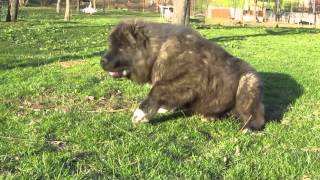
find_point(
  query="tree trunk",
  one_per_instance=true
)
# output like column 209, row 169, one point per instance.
column 255, row 9
column 234, row 9
column 21, row 3
column 8, row 18
column 143, row 5
column 26, row 2
column 315, row 13
column 193, row 5
column 104, row 6
column 263, row 11
column 187, row 14
column 67, row 11
column 94, row 4
column 242, row 12
column 58, row 6
column 291, row 12
column 43, row 2
column 277, row 10
column 78, row 5
column 13, row 8
column 181, row 11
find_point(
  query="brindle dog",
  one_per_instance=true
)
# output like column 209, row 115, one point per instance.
column 184, row 69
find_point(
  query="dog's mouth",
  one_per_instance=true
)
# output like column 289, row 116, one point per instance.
column 119, row 74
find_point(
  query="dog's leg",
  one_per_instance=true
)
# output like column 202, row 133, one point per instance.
column 249, row 107
column 147, row 109
column 162, row 95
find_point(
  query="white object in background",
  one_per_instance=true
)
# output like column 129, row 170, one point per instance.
column 89, row 9
column 166, row 12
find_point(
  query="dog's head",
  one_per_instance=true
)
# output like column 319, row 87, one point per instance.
column 127, row 55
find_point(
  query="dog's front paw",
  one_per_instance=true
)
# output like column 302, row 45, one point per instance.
column 139, row 117
column 162, row 110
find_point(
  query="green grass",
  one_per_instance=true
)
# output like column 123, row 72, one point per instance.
column 56, row 104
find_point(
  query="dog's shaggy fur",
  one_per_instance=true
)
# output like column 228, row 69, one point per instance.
column 185, row 70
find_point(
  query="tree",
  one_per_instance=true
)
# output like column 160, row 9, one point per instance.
column 264, row 11
column 78, row 5
column 58, row 6
column 181, row 11
column 13, row 7
column 277, row 10
column 104, row 6
column 94, row 4
column 315, row 13
column 143, row 5
column 67, row 11
column 23, row 3
column 255, row 9
column 43, row 2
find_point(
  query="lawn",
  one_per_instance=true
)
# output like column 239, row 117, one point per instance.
column 61, row 116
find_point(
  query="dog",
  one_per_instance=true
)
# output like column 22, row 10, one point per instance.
column 185, row 70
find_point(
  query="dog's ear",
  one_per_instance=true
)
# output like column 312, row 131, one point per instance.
column 141, row 35
column 123, row 33
column 133, row 32
column 130, row 38
column 136, row 34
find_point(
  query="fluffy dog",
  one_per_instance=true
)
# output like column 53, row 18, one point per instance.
column 185, row 70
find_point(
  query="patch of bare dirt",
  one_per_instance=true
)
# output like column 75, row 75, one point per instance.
column 70, row 102
column 71, row 63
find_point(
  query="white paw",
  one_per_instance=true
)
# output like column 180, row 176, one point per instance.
column 246, row 130
column 162, row 110
column 139, row 117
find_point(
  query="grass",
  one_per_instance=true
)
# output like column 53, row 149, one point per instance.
column 61, row 116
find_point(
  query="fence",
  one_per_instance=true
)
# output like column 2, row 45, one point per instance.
column 296, row 12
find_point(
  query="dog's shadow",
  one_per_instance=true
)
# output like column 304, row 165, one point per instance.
column 280, row 92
